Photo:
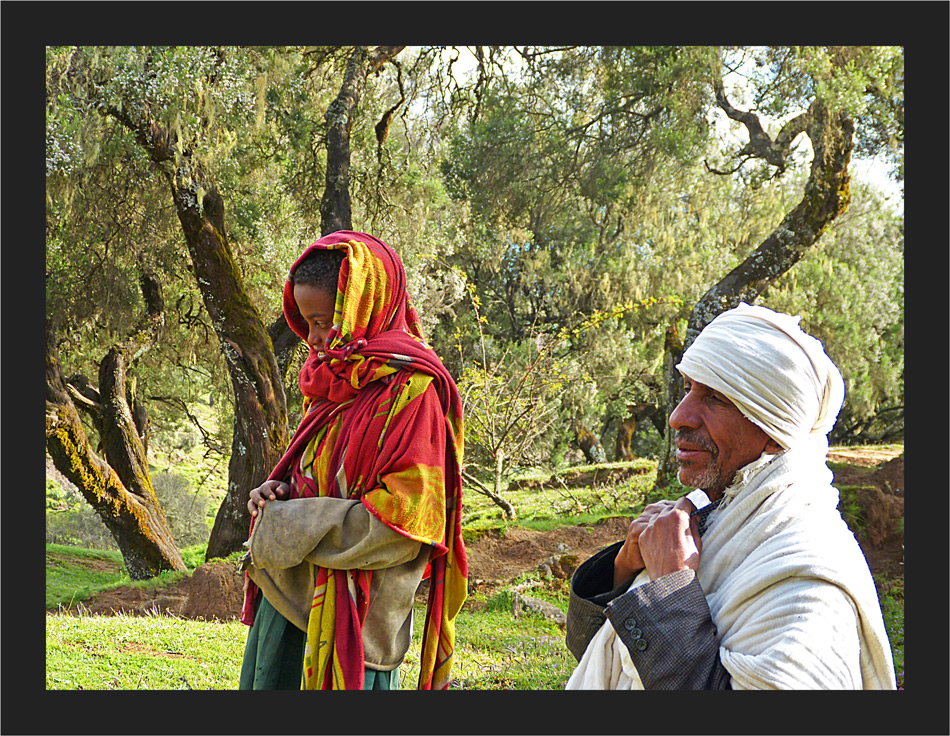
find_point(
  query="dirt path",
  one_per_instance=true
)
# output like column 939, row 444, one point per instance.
column 214, row 591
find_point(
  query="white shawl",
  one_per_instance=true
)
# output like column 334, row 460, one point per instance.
column 788, row 588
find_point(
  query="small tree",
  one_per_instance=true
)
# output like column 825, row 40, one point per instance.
column 509, row 405
column 512, row 402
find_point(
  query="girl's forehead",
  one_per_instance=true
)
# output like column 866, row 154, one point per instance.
column 312, row 299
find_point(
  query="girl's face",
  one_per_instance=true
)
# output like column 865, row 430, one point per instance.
column 316, row 306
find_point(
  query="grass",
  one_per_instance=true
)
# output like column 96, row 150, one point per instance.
column 142, row 653
column 892, row 607
column 160, row 652
column 495, row 651
column 555, row 503
column 74, row 574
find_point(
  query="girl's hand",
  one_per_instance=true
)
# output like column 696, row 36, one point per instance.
column 269, row 490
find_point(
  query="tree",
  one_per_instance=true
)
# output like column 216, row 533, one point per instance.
column 260, row 428
column 850, row 289
column 335, row 205
column 583, row 191
column 174, row 103
column 564, row 183
column 550, row 168
column 119, row 487
column 836, row 80
column 509, row 405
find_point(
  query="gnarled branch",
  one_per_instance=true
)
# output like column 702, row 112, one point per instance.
column 760, row 144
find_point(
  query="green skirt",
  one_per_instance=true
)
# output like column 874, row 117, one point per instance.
column 273, row 656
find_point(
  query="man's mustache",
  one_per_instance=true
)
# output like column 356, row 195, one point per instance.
column 695, row 439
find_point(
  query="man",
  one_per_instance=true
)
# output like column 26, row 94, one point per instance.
column 752, row 581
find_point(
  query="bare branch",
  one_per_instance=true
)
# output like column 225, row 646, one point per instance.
column 713, row 170
column 207, row 437
column 760, row 144
column 84, row 396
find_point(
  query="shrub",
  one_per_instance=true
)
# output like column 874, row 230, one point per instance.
column 185, row 508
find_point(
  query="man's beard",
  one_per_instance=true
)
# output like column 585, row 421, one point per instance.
column 709, row 477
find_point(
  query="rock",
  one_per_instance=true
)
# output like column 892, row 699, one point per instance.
column 560, row 565
column 549, row 611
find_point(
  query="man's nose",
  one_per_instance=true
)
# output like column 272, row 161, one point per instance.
column 685, row 415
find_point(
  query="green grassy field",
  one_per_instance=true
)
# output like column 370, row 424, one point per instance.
column 159, row 652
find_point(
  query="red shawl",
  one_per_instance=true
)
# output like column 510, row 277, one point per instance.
column 358, row 390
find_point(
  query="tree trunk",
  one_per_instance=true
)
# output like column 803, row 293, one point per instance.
column 589, row 444
column 120, row 490
column 497, row 498
column 335, row 209
column 672, row 352
column 827, row 194
column 260, row 407
column 285, row 341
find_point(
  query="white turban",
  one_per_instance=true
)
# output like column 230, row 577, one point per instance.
column 778, row 376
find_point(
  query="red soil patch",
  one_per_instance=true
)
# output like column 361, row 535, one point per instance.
column 214, row 590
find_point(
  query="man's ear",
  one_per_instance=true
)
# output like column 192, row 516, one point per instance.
column 772, row 447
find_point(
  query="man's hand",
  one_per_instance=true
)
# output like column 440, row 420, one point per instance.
column 670, row 541
column 629, row 560
column 269, row 490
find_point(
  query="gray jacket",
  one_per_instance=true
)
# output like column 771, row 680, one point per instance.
column 665, row 624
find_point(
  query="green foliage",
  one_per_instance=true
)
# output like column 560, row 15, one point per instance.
column 185, row 507
column 71, row 521
column 189, row 507
column 561, row 184
column 549, row 168
column 79, row 527
column 850, row 293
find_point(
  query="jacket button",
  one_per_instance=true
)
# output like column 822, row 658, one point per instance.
column 636, row 634
column 629, row 624
column 641, row 644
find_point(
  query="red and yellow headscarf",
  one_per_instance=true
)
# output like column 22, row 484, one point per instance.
column 361, row 403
